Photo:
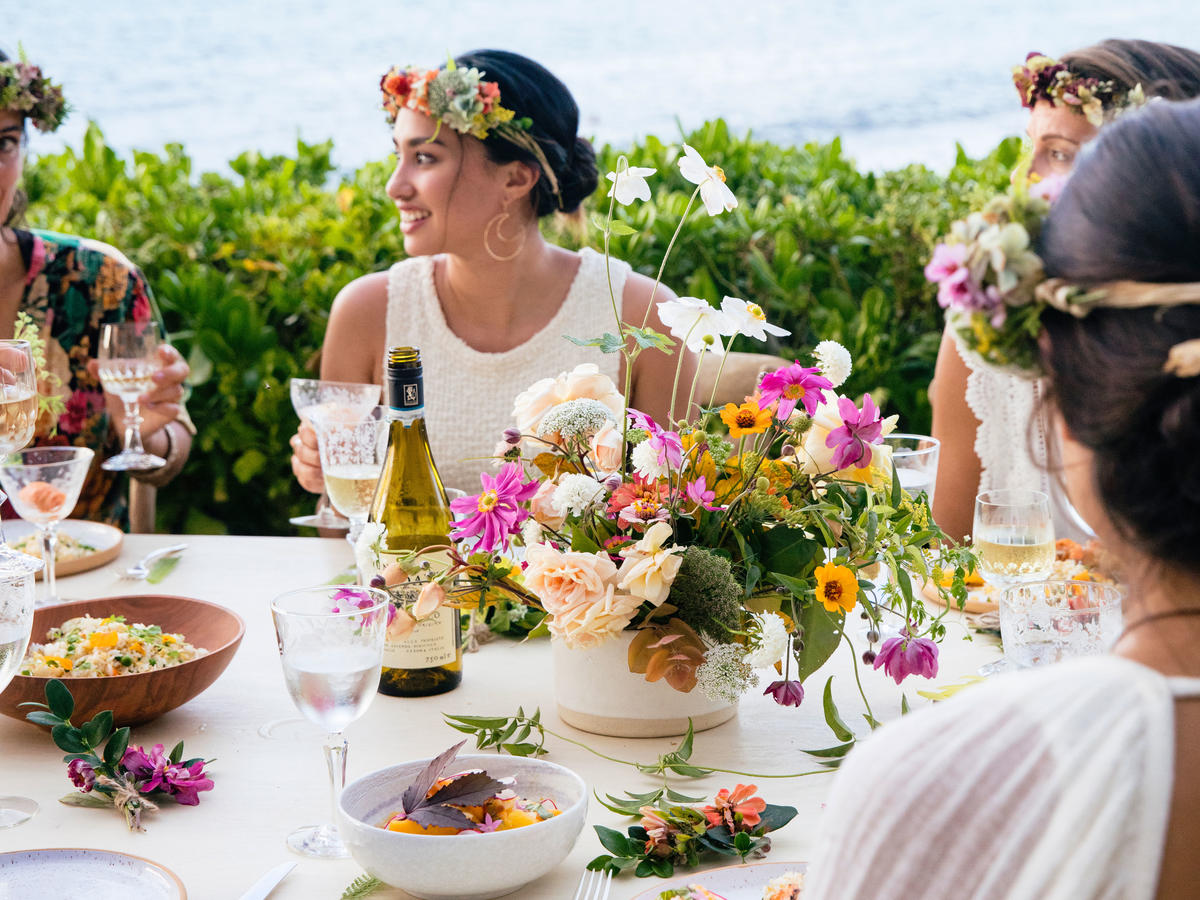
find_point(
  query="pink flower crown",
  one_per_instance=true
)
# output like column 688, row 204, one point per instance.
column 462, row 100
column 24, row 90
column 1044, row 78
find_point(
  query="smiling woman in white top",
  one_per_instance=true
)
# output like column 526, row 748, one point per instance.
column 483, row 295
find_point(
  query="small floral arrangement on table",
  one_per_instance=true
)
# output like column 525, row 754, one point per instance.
column 730, row 540
column 109, row 772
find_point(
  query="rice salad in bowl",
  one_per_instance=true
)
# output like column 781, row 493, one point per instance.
column 90, row 647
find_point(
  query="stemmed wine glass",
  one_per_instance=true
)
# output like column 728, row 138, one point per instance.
column 43, row 484
column 16, row 622
column 352, row 450
column 127, row 365
column 331, row 648
column 18, row 410
column 311, row 395
column 1014, row 540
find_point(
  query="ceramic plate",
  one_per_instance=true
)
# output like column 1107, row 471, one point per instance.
column 979, row 599
column 731, row 882
column 96, row 874
column 104, row 538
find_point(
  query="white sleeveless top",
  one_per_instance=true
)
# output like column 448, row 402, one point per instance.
column 468, row 394
column 1053, row 784
column 1015, row 444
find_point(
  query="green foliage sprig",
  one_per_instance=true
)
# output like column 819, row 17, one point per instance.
column 48, row 400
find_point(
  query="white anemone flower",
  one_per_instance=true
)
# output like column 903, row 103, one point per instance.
column 834, row 361
column 693, row 320
column 629, row 184
column 749, row 319
column 715, row 194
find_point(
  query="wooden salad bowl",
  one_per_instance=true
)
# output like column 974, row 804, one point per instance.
column 139, row 698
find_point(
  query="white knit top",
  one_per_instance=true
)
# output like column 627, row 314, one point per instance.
column 468, row 394
column 1052, row 783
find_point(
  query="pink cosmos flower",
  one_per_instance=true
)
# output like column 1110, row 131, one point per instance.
column 792, row 385
column 904, row 656
column 947, row 260
column 493, row 515
column 698, row 493
column 786, row 693
column 858, row 429
column 668, row 446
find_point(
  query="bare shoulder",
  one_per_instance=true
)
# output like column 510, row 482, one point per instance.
column 357, row 320
column 365, row 296
column 636, row 298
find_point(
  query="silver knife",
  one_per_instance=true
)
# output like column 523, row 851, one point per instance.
column 268, row 882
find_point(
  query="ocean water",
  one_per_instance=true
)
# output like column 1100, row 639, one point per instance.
column 901, row 81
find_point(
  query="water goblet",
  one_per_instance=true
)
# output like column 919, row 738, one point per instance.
column 312, row 395
column 43, row 484
column 915, row 457
column 352, row 450
column 1044, row 622
column 16, row 620
column 127, row 365
column 331, row 649
column 18, row 409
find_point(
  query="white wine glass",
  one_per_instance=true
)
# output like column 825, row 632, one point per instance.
column 16, row 621
column 915, row 457
column 352, row 447
column 1013, row 537
column 43, row 485
column 127, row 365
column 313, row 395
column 18, row 410
column 331, row 648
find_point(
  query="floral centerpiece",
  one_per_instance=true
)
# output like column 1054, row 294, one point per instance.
column 719, row 543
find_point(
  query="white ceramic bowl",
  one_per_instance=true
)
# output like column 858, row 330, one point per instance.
column 462, row 866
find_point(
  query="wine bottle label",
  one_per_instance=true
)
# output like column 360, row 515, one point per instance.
column 432, row 642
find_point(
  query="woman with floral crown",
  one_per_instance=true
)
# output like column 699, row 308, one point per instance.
column 485, row 148
column 986, row 418
column 69, row 287
column 1079, row 779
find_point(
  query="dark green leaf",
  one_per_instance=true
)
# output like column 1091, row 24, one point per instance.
column 67, row 738
column 607, row 343
column 832, row 718
column 615, row 842
column 114, row 750
column 59, row 699
column 832, row 752
column 774, row 817
column 820, row 633
column 176, row 753
column 43, row 717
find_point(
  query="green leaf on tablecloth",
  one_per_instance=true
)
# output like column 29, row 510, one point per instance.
column 94, row 732
column 93, row 800
column 615, row 842
column 832, row 717
column 820, row 635
column 59, row 699
column 67, row 738
column 161, row 569
column 676, row 797
column 42, row 717
column 832, row 752
column 114, row 750
column 349, row 576
column 773, row 817
column 362, row 886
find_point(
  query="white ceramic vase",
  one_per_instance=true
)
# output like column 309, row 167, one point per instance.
column 596, row 692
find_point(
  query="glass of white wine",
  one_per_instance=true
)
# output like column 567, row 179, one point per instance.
column 16, row 622
column 352, row 449
column 127, row 365
column 313, row 396
column 331, row 647
column 43, row 484
column 18, row 410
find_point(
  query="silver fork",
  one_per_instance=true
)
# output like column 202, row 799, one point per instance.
column 594, row 885
column 140, row 569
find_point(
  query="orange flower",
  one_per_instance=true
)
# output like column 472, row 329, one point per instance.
column 739, row 809
column 837, row 588
column 748, row 418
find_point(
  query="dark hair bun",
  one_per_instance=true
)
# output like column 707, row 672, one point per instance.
column 1131, row 212
column 531, row 91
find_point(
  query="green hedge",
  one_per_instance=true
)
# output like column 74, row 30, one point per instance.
column 245, row 269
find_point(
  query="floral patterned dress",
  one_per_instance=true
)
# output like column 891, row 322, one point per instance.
column 73, row 286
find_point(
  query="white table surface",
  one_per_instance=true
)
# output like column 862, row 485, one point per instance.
column 267, row 787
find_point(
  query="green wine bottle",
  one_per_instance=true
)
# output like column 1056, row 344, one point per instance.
column 411, row 504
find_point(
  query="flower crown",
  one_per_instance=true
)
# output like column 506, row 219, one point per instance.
column 994, row 290
column 23, row 89
column 463, row 101
column 1044, row 78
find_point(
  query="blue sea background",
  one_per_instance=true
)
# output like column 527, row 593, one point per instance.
column 900, row 82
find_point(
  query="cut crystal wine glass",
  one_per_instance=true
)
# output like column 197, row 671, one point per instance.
column 16, row 621
column 127, row 366
column 18, row 411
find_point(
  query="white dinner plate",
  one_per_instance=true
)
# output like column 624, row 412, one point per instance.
column 104, row 538
column 95, row 874
column 731, row 882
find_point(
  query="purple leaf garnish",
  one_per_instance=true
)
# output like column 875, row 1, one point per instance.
column 415, row 793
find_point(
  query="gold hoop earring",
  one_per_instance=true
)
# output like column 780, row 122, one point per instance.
column 498, row 221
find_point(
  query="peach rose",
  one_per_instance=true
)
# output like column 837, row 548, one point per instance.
column 584, row 380
column 649, row 568
column 542, row 507
column 592, row 622
column 563, row 580
column 432, row 596
column 606, row 445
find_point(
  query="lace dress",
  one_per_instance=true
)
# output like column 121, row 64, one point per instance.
column 1054, row 783
column 468, row 394
column 1015, row 443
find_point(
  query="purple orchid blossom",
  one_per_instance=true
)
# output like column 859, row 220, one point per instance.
column 697, row 491
column 859, row 429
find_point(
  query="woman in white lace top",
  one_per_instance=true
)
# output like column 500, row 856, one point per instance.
column 1080, row 780
column 992, row 433
column 486, row 299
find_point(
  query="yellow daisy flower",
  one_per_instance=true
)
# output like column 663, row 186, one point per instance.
column 748, row 418
column 837, row 588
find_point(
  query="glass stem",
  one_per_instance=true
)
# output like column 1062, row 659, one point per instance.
column 133, row 426
column 49, row 543
column 335, row 760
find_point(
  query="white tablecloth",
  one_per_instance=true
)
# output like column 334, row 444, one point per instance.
column 267, row 787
